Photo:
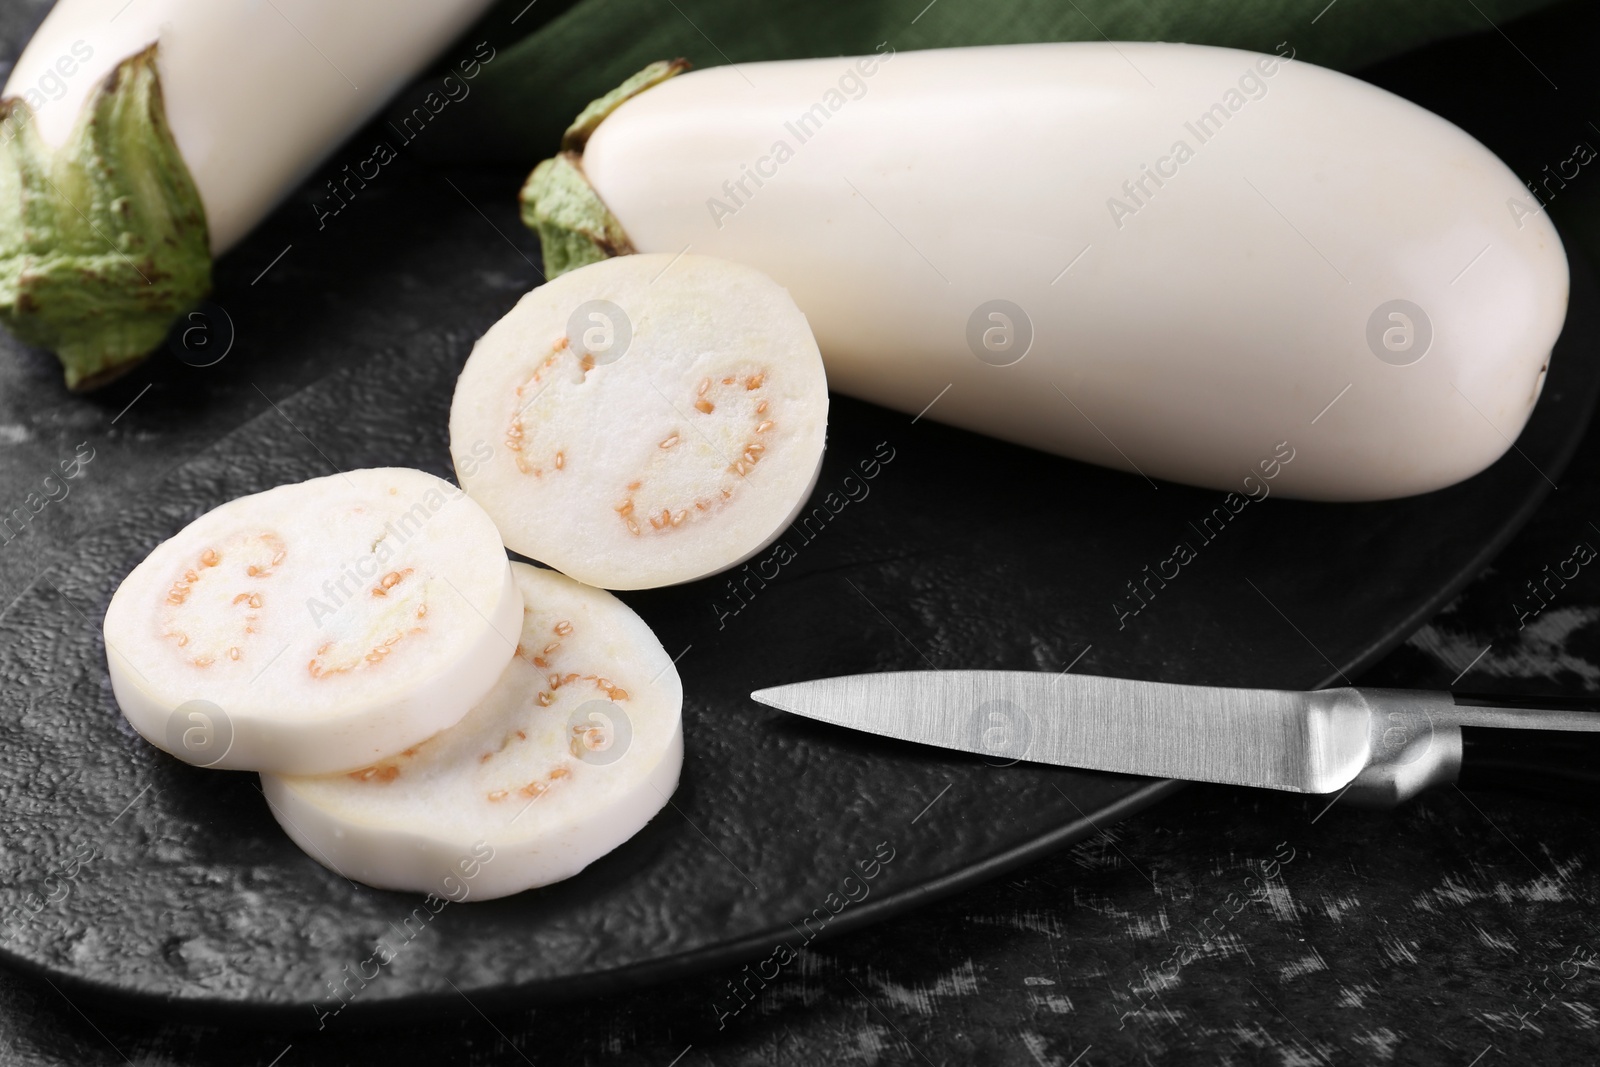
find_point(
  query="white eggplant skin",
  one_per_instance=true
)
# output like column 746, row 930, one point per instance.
column 257, row 93
column 1212, row 319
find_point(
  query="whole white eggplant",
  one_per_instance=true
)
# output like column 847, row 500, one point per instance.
column 139, row 139
column 1181, row 260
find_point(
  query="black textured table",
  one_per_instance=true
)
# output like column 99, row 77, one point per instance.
column 1222, row 926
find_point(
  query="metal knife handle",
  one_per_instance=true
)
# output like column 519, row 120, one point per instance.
column 1553, row 761
column 1421, row 740
column 1413, row 744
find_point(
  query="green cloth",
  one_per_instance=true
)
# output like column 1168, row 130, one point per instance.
column 528, row 94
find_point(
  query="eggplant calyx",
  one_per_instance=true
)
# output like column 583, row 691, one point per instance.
column 577, row 134
column 103, row 242
column 574, row 225
column 575, row 228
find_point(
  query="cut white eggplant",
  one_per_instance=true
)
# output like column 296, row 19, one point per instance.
column 1169, row 259
column 643, row 421
column 315, row 627
column 577, row 746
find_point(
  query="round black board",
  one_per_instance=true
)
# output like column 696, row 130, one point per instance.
column 132, row 877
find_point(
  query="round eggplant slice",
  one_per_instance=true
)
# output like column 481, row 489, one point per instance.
column 314, row 627
column 577, row 746
column 643, row 421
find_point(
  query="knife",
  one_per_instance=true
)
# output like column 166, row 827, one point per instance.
column 1374, row 747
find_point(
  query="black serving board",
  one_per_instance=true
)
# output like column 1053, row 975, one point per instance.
column 130, row 877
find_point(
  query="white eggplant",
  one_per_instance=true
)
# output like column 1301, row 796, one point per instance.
column 643, row 421
column 578, row 745
column 1174, row 259
column 314, row 627
column 226, row 101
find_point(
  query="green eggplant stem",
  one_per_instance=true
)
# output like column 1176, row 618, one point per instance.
column 574, row 226
column 103, row 241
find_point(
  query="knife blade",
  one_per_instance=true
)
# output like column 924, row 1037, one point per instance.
column 1378, row 746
